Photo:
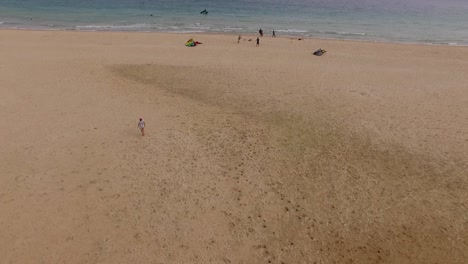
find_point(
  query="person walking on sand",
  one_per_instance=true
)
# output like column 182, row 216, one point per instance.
column 260, row 32
column 258, row 41
column 238, row 39
column 141, row 126
column 274, row 34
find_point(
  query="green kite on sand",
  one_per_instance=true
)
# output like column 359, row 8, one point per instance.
column 192, row 43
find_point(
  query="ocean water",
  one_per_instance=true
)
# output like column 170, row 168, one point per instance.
column 410, row 21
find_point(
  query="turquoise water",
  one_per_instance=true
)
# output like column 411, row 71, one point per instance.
column 411, row 21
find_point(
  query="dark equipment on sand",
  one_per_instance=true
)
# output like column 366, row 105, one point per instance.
column 319, row 52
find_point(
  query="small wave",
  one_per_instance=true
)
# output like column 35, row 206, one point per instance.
column 231, row 29
column 343, row 33
column 199, row 27
column 9, row 23
column 291, row 30
column 114, row 27
column 185, row 31
column 352, row 34
column 446, row 43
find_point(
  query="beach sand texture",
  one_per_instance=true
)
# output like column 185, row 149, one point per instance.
column 252, row 155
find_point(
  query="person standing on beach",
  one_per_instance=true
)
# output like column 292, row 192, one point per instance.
column 274, row 34
column 238, row 39
column 258, row 41
column 141, row 126
column 260, row 32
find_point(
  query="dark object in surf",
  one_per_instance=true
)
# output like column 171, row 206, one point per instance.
column 204, row 12
column 319, row 52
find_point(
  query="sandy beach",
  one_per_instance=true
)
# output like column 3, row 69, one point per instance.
column 252, row 154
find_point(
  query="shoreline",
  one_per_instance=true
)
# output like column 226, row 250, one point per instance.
column 236, row 34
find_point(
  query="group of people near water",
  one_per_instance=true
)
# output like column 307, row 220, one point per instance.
column 260, row 32
column 273, row 33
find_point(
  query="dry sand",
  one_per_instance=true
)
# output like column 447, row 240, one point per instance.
column 252, row 155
